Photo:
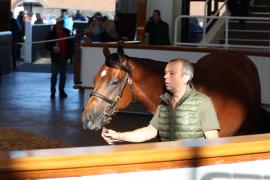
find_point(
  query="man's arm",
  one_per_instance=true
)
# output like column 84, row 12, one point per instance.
column 209, row 121
column 211, row 134
column 138, row 135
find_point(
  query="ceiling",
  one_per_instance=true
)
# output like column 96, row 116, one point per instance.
column 97, row 5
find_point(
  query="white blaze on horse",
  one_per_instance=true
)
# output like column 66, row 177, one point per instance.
column 229, row 79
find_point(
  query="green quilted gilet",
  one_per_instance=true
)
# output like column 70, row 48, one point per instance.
column 183, row 121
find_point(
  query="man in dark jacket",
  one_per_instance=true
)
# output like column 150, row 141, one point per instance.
column 21, row 32
column 14, row 28
column 158, row 30
column 60, row 51
column 239, row 8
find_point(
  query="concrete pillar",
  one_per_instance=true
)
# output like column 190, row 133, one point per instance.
column 27, row 47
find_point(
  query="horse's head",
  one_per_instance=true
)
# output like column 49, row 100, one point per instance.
column 112, row 91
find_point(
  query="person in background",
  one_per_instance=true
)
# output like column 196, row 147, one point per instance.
column 97, row 16
column 95, row 29
column 195, row 31
column 68, row 24
column 68, row 21
column 21, row 24
column 239, row 8
column 39, row 20
column 60, row 51
column 109, row 34
column 78, row 16
column 184, row 113
column 157, row 29
column 14, row 28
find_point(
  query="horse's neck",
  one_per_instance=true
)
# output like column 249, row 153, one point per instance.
column 148, row 82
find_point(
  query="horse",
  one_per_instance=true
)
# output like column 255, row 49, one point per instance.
column 230, row 79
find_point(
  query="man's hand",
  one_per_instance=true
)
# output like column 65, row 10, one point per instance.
column 56, row 49
column 111, row 136
column 138, row 135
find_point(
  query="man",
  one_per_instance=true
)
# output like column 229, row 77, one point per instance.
column 60, row 51
column 21, row 24
column 68, row 22
column 39, row 19
column 157, row 29
column 239, row 8
column 78, row 16
column 183, row 113
column 14, row 28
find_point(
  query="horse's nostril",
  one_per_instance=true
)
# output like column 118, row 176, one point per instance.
column 88, row 122
column 91, row 121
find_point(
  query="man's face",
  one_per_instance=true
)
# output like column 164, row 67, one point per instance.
column 174, row 80
column 60, row 25
column 155, row 17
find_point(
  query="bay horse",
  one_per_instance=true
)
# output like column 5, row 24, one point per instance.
column 230, row 79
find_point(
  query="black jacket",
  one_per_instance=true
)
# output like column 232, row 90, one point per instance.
column 158, row 32
column 49, row 45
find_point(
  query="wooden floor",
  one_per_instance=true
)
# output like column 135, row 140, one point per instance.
column 25, row 104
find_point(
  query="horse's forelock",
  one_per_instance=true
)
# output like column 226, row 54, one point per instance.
column 114, row 61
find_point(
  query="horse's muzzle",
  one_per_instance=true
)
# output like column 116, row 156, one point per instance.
column 88, row 123
column 95, row 124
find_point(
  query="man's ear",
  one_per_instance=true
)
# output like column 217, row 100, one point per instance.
column 186, row 78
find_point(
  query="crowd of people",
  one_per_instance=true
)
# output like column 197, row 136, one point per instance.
column 99, row 28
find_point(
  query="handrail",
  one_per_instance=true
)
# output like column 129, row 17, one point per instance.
column 206, row 24
column 217, row 12
column 226, row 44
column 69, row 162
column 181, row 48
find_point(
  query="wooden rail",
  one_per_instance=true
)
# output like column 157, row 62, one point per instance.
column 135, row 157
column 181, row 48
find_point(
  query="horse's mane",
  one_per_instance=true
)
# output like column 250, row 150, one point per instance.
column 116, row 61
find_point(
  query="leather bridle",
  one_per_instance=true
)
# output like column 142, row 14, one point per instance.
column 110, row 109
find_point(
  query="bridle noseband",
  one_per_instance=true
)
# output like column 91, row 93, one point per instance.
column 110, row 109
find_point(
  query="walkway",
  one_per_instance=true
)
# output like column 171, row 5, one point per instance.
column 25, row 104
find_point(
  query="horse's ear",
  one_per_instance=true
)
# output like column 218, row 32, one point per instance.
column 120, row 50
column 106, row 52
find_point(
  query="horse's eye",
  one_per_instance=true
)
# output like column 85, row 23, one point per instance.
column 115, row 81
